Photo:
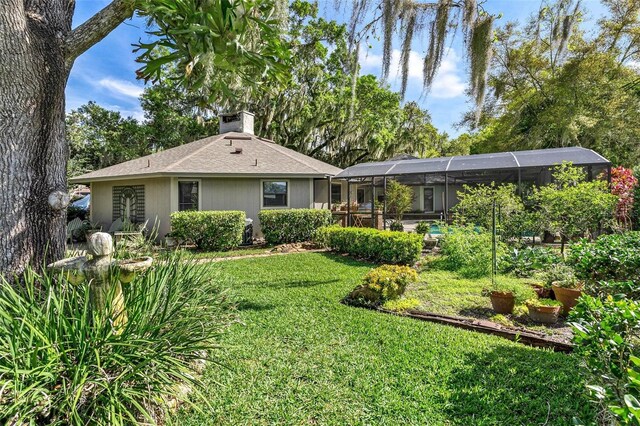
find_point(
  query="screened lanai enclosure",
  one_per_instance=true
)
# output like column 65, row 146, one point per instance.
column 436, row 182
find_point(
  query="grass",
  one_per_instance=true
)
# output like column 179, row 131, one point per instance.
column 299, row 356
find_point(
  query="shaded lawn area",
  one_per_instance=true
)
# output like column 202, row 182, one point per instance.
column 301, row 357
column 445, row 292
column 241, row 251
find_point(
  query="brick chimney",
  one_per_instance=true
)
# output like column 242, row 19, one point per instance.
column 241, row 121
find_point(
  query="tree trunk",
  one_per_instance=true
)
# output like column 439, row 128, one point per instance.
column 33, row 149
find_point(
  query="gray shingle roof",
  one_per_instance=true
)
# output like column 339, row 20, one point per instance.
column 216, row 156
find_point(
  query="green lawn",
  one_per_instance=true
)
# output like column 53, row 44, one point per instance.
column 241, row 251
column 299, row 356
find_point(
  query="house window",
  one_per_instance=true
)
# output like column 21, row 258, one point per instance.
column 360, row 195
column 428, row 200
column 275, row 193
column 188, row 195
column 336, row 193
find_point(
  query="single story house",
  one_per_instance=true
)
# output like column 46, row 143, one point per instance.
column 234, row 170
column 436, row 182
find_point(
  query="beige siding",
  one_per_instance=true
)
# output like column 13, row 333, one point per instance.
column 157, row 205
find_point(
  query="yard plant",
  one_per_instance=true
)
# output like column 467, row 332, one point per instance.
column 467, row 250
column 209, row 230
column 292, row 225
column 372, row 244
column 384, row 283
column 60, row 365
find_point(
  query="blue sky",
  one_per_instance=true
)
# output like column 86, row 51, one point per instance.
column 106, row 73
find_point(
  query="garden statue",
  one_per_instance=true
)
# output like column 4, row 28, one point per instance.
column 104, row 274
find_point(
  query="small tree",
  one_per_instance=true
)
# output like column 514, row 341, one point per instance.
column 399, row 199
column 475, row 205
column 572, row 206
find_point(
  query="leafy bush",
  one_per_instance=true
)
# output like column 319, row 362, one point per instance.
column 614, row 257
column 209, row 230
column 558, row 272
column 606, row 335
column 396, row 225
column 384, row 283
column 292, row 226
column 623, row 185
column 469, row 251
column 61, row 365
column 372, row 244
column 475, row 204
column 423, row 227
column 524, row 262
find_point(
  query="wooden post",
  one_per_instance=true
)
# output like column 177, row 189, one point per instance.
column 373, row 199
column 348, row 221
column 384, row 203
column 329, row 193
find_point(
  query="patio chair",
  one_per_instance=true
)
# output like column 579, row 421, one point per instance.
column 73, row 226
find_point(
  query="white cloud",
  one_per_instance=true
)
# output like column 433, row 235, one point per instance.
column 121, row 87
column 447, row 84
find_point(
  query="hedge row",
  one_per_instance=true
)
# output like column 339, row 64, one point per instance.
column 292, row 226
column 209, row 230
column 372, row 244
column 614, row 257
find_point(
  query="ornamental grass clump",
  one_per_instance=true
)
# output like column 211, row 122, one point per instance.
column 60, row 365
column 384, row 283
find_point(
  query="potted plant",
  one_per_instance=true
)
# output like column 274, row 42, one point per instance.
column 504, row 295
column 567, row 291
column 396, row 225
column 544, row 311
column 542, row 289
column 91, row 228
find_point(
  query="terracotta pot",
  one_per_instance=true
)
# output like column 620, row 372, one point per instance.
column 541, row 291
column 544, row 314
column 502, row 302
column 567, row 296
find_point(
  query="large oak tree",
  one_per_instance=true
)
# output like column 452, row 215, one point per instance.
column 38, row 47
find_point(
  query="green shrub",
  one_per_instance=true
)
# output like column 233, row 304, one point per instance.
column 372, row 244
column 614, row 257
column 396, row 225
column 292, row 226
column 606, row 336
column 209, row 230
column 423, row 227
column 468, row 251
column 59, row 364
column 559, row 272
column 524, row 262
column 384, row 283
column 475, row 204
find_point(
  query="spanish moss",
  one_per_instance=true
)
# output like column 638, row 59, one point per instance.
column 409, row 26
column 437, row 38
column 480, row 54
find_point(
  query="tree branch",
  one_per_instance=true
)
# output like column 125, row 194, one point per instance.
column 96, row 28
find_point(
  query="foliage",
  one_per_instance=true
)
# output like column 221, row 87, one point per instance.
column 635, row 209
column 396, row 225
column 520, row 290
column 475, row 204
column 555, row 273
column 423, row 227
column 292, row 225
column 209, row 230
column 401, row 305
column 372, row 244
column 606, row 335
column 61, row 365
column 399, row 198
column 384, row 283
column 469, row 252
column 535, row 302
column 541, row 97
column 571, row 205
column 524, row 262
column 614, row 257
column 297, row 354
column 623, row 184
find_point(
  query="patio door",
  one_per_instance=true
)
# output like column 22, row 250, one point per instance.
column 428, row 204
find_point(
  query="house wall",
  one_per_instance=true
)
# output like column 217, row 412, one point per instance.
column 157, row 204
column 161, row 198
